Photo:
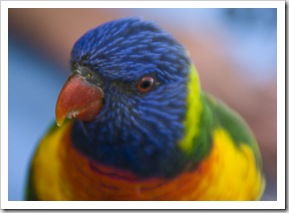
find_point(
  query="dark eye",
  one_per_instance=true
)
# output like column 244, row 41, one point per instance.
column 145, row 84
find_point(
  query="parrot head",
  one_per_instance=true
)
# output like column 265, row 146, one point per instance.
column 127, row 95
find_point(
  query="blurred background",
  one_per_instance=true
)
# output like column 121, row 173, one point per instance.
column 233, row 49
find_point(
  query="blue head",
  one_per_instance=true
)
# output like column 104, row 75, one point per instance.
column 142, row 71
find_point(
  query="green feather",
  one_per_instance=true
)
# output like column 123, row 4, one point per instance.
column 204, row 114
column 234, row 124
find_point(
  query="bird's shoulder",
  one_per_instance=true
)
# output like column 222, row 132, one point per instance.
column 44, row 175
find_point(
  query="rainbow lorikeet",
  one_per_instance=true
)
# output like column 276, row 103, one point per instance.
column 141, row 127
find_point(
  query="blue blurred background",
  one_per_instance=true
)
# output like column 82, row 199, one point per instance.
column 233, row 49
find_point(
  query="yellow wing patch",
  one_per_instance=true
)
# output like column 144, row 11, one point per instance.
column 235, row 175
column 47, row 167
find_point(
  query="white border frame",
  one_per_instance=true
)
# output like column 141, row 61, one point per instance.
column 279, row 204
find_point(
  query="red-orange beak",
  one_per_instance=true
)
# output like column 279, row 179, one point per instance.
column 78, row 99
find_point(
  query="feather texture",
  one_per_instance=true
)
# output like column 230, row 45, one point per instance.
column 172, row 142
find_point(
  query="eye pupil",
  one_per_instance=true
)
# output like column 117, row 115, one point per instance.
column 145, row 84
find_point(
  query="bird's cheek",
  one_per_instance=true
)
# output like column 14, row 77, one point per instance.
column 78, row 99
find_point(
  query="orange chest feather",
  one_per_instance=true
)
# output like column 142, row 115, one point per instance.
column 60, row 172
